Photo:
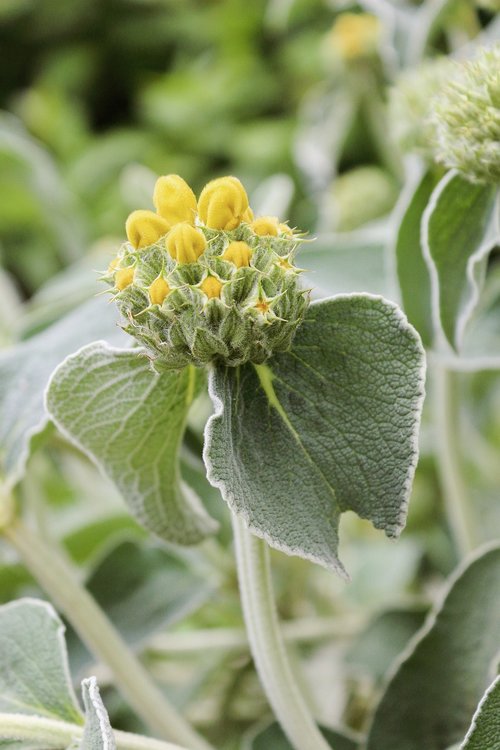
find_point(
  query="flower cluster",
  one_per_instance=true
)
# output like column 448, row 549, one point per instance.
column 204, row 281
column 467, row 118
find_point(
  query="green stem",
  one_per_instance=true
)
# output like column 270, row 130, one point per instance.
column 266, row 642
column 54, row 734
column 101, row 637
column 449, row 461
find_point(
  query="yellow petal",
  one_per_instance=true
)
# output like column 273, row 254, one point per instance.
column 124, row 277
column 158, row 291
column 211, row 286
column 185, row 243
column 238, row 253
column 174, row 199
column 144, row 228
column 223, row 203
column 266, row 225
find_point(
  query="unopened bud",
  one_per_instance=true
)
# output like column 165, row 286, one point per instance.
column 185, row 244
column 223, row 204
column 123, row 278
column 174, row 200
column 158, row 291
column 238, row 253
column 266, row 226
column 211, row 287
column 145, row 228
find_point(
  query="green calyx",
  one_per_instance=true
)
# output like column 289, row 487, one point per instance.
column 223, row 310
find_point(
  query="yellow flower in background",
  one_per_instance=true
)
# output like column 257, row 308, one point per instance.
column 144, row 228
column 223, row 204
column 211, row 287
column 158, row 291
column 266, row 226
column 185, row 244
column 355, row 35
column 174, row 199
column 123, row 278
column 238, row 253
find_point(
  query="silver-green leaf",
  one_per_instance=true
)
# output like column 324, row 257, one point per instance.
column 130, row 422
column 97, row 732
column 328, row 427
column 440, row 679
column 484, row 732
column 34, row 674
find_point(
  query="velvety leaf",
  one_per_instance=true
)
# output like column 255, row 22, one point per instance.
column 434, row 692
column 457, row 235
column 130, row 421
column 97, row 732
column 34, row 678
column 24, row 373
column 141, row 589
column 272, row 737
column 328, row 427
column 412, row 270
column 484, row 732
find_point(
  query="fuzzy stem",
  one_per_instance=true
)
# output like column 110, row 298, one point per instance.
column 101, row 637
column 56, row 735
column 266, row 642
column 449, row 461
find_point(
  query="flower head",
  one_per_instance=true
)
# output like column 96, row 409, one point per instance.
column 355, row 35
column 218, row 288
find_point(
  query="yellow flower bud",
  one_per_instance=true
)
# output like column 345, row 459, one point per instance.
column 223, row 203
column 174, row 199
column 238, row 253
column 185, row 243
column 158, row 291
column 355, row 35
column 114, row 263
column 144, row 228
column 285, row 229
column 211, row 287
column 124, row 277
column 266, row 225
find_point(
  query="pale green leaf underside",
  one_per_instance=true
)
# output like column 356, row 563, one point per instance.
column 24, row 373
column 457, row 234
column 430, row 699
column 484, row 733
column 329, row 426
column 34, row 675
column 97, row 732
column 130, row 421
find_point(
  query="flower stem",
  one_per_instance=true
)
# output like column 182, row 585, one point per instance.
column 266, row 642
column 101, row 637
column 449, row 461
column 55, row 734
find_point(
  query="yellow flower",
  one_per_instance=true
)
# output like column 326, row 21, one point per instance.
column 223, row 204
column 185, row 243
column 238, row 253
column 144, row 228
column 211, row 287
column 158, row 291
column 124, row 277
column 355, row 35
column 266, row 225
column 174, row 199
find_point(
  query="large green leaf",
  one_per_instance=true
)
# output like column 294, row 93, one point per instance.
column 412, row 270
column 458, row 233
column 328, row 427
column 130, row 421
column 434, row 692
column 34, row 675
column 484, row 732
column 97, row 732
column 24, row 373
column 272, row 737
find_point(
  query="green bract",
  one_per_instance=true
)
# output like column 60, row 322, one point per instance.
column 213, row 311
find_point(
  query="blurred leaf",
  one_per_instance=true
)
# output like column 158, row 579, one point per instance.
column 328, row 427
column 35, row 678
column 484, row 732
column 97, row 732
column 430, row 699
column 112, row 405
column 87, row 541
column 141, row 589
column 341, row 264
column 457, row 235
column 25, row 370
column 272, row 737
column 413, row 274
